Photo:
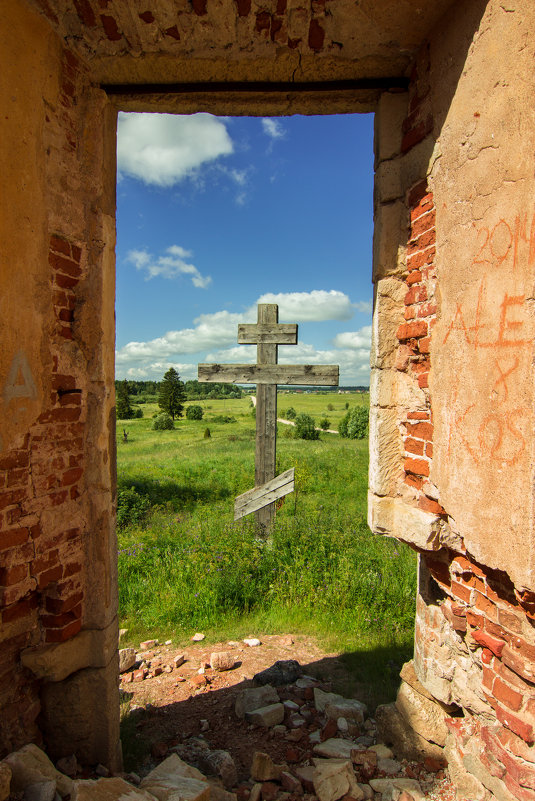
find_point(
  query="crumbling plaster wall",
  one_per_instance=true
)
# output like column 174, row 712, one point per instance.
column 58, row 550
column 452, row 386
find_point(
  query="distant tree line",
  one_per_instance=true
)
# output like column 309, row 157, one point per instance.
column 148, row 391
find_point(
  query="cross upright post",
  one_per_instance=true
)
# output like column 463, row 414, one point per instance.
column 267, row 335
column 266, row 413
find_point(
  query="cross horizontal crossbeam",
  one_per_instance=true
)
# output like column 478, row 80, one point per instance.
column 325, row 375
column 267, row 334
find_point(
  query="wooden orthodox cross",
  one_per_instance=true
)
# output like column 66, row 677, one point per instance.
column 267, row 334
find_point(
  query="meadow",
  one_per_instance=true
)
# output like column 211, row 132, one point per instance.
column 185, row 566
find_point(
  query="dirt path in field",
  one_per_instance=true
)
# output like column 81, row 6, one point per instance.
column 291, row 422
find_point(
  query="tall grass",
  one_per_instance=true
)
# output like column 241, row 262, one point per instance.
column 187, row 566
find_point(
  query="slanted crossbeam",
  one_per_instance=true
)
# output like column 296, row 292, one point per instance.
column 267, row 335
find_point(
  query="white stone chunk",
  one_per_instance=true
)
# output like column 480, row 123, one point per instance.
column 267, row 715
column 348, row 708
column 30, row 765
column 41, row 791
column 321, row 699
column 389, row 766
column 114, row 789
column 255, row 698
column 252, row 642
column 333, row 779
column 127, row 659
column 222, row 660
column 382, row 751
column 336, row 748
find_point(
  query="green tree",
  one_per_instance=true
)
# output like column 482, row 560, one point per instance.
column 163, row 422
column 354, row 425
column 123, row 408
column 291, row 413
column 194, row 412
column 305, row 427
column 172, row 394
column 325, row 423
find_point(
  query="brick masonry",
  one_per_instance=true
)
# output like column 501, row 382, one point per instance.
column 475, row 647
column 41, row 585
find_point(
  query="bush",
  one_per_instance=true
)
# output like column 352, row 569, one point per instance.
column 131, row 507
column 305, row 427
column 194, row 412
column 138, row 414
column 207, row 434
column 223, row 418
column 164, row 422
column 354, row 425
column 291, row 414
column 325, row 423
column 330, row 407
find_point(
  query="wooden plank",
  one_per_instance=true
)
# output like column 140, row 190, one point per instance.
column 266, row 334
column 256, row 499
column 325, row 375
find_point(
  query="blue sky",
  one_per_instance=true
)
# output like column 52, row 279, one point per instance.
column 216, row 214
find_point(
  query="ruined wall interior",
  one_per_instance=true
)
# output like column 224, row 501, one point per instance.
column 452, row 439
column 454, row 249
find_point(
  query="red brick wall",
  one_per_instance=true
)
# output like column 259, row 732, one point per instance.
column 41, row 586
column 483, row 613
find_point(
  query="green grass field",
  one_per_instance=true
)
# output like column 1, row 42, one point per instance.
column 184, row 565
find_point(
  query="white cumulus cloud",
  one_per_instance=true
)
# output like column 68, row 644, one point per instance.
column 273, row 128
column 313, row 306
column 171, row 265
column 354, row 339
column 215, row 335
column 163, row 149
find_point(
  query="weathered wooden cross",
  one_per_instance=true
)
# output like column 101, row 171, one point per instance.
column 267, row 334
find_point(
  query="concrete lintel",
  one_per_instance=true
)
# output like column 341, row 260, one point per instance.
column 92, row 648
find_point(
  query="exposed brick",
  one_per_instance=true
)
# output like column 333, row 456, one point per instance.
column 421, row 430
column 10, row 576
column 316, row 35
column 510, row 620
column 428, row 309
column 414, row 446
column 49, row 576
column 19, row 610
column 412, row 330
column 461, row 592
column 430, row 505
column 518, row 664
column 423, row 380
column 476, row 621
column 418, row 416
column 416, row 134
column 110, row 27
column 173, row 32
column 60, row 621
column 514, row 723
column 421, row 242
column 506, row 695
column 418, row 193
column 416, row 294
column 493, row 644
column 418, row 466
column 146, row 16
column 85, row 12
column 12, row 537
column 60, row 635
column 414, row 277
column 483, row 604
column 521, row 793
column 414, row 481
column 14, row 459
column 60, row 605
column 420, row 225
column 71, row 476
column 60, row 245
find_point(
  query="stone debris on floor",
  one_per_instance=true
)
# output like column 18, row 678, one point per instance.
column 324, row 746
